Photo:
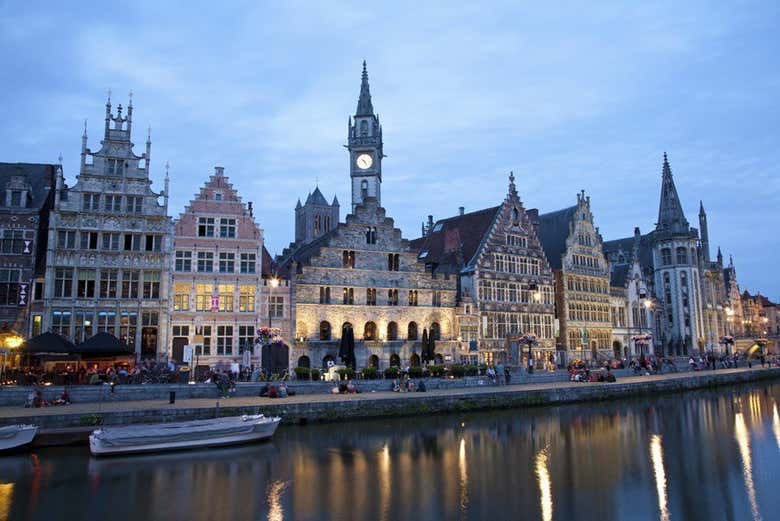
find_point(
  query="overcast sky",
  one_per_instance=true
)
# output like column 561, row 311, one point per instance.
column 583, row 97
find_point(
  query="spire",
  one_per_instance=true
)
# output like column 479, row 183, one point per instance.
column 704, row 231
column 671, row 218
column 701, row 209
column 720, row 257
column 299, row 205
column 108, row 111
column 364, row 106
column 512, row 187
column 335, row 201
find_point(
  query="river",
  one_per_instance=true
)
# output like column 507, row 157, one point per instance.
column 710, row 455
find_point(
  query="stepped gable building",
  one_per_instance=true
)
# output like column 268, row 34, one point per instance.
column 573, row 245
column 361, row 274
column 505, row 282
column 221, row 278
column 26, row 197
column 108, row 252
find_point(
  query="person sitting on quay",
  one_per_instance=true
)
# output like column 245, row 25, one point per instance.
column 410, row 387
column 352, row 388
column 396, row 386
column 63, row 399
column 421, row 386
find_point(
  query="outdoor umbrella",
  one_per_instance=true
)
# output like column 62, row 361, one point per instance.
column 104, row 344
column 47, row 344
column 343, row 350
column 424, row 346
column 351, row 348
column 431, row 348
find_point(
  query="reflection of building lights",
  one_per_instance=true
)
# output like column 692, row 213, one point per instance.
column 743, row 441
column 657, row 457
column 545, row 484
column 275, row 510
column 6, row 495
column 776, row 425
column 384, row 481
column 464, row 476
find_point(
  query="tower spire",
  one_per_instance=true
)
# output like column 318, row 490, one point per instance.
column 704, row 233
column 671, row 218
column 364, row 106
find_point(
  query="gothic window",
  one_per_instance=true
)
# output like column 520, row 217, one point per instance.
column 392, row 297
column 371, row 296
column 412, row 297
column 364, row 128
column 325, row 330
column 392, row 331
column 437, row 298
column 666, row 256
column 324, row 295
column 348, row 296
column 364, row 189
column 317, row 225
column 411, row 331
column 682, row 255
column 393, row 262
column 348, row 259
column 371, row 235
column 435, row 331
column 369, row 331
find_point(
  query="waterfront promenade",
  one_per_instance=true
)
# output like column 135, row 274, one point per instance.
column 72, row 422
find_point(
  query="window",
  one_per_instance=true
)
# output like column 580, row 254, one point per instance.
column 66, row 239
column 435, row 331
column 114, row 167
column 371, row 296
column 227, row 228
column 89, row 240
column 150, row 318
column 111, row 241
column 412, row 297
column 276, row 307
column 682, row 255
column 516, row 240
column 369, row 331
column 411, row 331
column 205, row 261
column 436, row 298
column 348, row 296
column 107, row 322
column 248, row 262
column 348, row 259
column 90, row 202
column 325, row 330
column 132, row 242
column 130, row 281
column 246, row 298
column 60, row 322
column 224, row 340
column 206, row 348
column 153, row 243
column 205, row 227
column 82, row 325
column 371, row 235
column 393, row 262
column 203, row 297
column 324, row 295
column 12, row 241
column 227, row 262
column 134, row 204
column 666, row 256
column 86, row 284
column 226, row 297
column 183, row 261
column 128, row 328
column 112, row 203
column 151, row 284
column 392, row 297
column 63, row 282
column 392, row 331
column 181, row 296
column 16, row 198
column 37, row 325
column 9, row 287
column 246, row 339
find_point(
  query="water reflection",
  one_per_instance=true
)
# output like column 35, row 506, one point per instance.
column 586, row 461
column 545, row 485
column 657, row 457
column 743, row 441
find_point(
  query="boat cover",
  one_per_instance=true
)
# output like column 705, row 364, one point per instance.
column 160, row 433
column 6, row 433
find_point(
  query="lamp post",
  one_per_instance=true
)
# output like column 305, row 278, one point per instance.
column 273, row 282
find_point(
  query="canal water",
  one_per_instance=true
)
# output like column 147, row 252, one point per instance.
column 706, row 455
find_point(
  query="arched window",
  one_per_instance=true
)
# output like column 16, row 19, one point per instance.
column 682, row 255
column 666, row 256
column 371, row 235
column 436, row 331
column 373, row 361
column 326, row 359
column 317, row 224
column 395, row 360
column 364, row 189
column 369, row 331
column 304, row 361
column 325, row 330
column 411, row 331
column 414, row 360
column 392, row 331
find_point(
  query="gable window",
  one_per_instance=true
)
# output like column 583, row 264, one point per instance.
column 217, row 196
column 516, row 240
column 112, row 203
column 348, row 259
column 134, row 204
column 393, row 262
column 114, row 167
column 227, row 228
column 90, row 201
column 16, row 198
column 371, row 235
column 205, row 227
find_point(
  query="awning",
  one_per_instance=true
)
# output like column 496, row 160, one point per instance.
column 103, row 344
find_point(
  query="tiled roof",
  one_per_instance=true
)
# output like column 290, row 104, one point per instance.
column 37, row 176
column 618, row 276
column 553, row 232
column 627, row 246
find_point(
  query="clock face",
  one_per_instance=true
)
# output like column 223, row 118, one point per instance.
column 364, row 161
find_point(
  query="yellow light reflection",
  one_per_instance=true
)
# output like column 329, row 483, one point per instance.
column 384, row 481
column 275, row 510
column 464, row 476
column 743, row 441
column 657, row 457
column 776, row 425
column 545, row 484
column 6, row 495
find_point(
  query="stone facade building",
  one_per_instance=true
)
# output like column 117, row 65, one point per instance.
column 221, row 269
column 573, row 246
column 26, row 198
column 714, row 294
column 315, row 218
column 361, row 274
column 505, row 282
column 108, row 252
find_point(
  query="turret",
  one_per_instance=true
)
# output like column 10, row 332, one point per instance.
column 705, row 236
column 84, row 147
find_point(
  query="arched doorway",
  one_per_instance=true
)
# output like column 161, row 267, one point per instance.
column 369, row 331
column 344, row 327
column 373, row 361
column 617, row 347
column 436, row 331
column 392, row 331
column 438, row 359
column 411, row 331
column 304, row 361
column 326, row 359
column 414, row 360
column 325, row 330
column 275, row 358
column 395, row 360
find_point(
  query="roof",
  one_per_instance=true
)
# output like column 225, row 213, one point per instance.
column 48, row 343
column 270, row 268
column 627, row 245
column 671, row 218
column 619, row 275
column 455, row 241
column 554, row 228
column 104, row 344
column 317, row 198
column 39, row 178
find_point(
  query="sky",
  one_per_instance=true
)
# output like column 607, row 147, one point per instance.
column 572, row 96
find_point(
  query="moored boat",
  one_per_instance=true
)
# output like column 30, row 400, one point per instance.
column 157, row 437
column 16, row 437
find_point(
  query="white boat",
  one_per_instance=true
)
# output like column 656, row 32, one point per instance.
column 158, row 437
column 15, row 437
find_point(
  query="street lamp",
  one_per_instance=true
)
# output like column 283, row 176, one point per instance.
column 273, row 282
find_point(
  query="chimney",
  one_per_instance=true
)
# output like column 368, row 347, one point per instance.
column 461, row 210
column 251, row 211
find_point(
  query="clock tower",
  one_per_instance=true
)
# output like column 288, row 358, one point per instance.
column 364, row 142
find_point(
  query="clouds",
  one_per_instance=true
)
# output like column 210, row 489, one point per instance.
column 587, row 96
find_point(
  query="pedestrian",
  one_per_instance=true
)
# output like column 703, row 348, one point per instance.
column 507, row 376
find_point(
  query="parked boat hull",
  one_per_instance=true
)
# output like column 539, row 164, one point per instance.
column 16, row 438
column 263, row 429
